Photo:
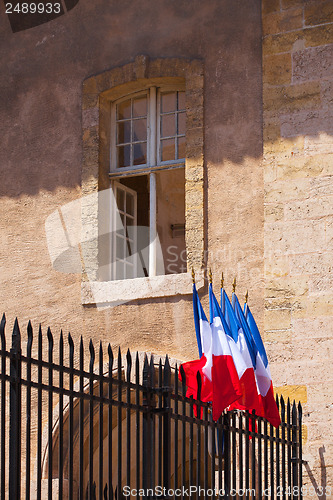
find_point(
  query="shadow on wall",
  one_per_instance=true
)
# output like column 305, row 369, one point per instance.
column 320, row 490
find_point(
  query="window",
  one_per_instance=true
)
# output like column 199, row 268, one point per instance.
column 155, row 158
column 147, row 174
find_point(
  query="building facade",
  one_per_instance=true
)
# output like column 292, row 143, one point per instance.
column 209, row 125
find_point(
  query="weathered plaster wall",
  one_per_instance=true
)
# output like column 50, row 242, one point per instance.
column 298, row 169
column 42, row 71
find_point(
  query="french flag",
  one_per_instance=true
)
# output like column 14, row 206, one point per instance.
column 224, row 353
column 249, row 399
column 269, row 409
column 204, row 364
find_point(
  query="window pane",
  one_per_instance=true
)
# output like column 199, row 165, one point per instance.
column 181, row 147
column 140, row 107
column 130, row 223
column 124, row 156
column 140, row 130
column 129, row 271
column 119, row 247
column 181, row 100
column 129, row 248
column 168, row 149
column 181, row 123
column 124, row 132
column 121, row 200
column 168, row 125
column 139, row 153
column 124, row 110
column 120, row 271
column 129, row 204
column 168, row 102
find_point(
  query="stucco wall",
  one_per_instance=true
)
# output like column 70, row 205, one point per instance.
column 298, row 127
column 42, row 72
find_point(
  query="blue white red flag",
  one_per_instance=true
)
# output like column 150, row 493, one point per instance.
column 202, row 365
column 226, row 384
column 269, row 409
column 249, row 399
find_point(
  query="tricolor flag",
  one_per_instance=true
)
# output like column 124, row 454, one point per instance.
column 226, row 385
column 202, row 365
column 249, row 399
column 269, row 409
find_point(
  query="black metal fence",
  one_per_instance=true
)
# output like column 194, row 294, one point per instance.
column 125, row 428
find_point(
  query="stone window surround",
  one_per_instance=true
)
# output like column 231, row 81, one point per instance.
column 98, row 93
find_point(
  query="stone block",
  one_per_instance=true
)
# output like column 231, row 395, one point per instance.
column 298, row 167
column 287, row 4
column 320, row 263
column 315, row 13
column 321, row 186
column 275, row 336
column 307, row 123
column 274, row 213
column 314, row 306
column 313, row 63
column 294, row 41
column 309, row 209
column 318, row 284
column 295, row 237
column 283, row 191
column 292, row 97
column 277, row 319
column 287, row 20
column 277, row 69
column 322, row 144
column 269, row 171
column 89, row 101
column 270, row 6
column 276, row 267
column 90, row 117
column 293, row 392
column 321, row 327
column 286, row 286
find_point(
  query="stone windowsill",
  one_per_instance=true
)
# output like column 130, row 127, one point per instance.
column 121, row 291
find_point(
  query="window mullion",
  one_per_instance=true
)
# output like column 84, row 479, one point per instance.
column 152, row 182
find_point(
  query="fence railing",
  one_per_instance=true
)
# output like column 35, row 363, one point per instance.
column 118, row 427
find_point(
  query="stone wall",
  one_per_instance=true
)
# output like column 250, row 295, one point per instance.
column 298, row 173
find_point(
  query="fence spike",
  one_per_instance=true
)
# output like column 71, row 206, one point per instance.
column 167, row 371
column 283, row 409
column 50, row 338
column 277, row 402
column 2, row 332
column 110, row 353
column 199, row 382
column 129, row 365
column 105, row 492
column 92, row 355
column 152, row 371
column 30, row 338
column 183, row 379
column 300, row 411
column 16, row 337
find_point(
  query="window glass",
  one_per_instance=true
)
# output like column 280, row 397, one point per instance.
column 131, row 124
column 172, row 126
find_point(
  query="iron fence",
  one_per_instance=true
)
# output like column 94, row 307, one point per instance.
column 123, row 427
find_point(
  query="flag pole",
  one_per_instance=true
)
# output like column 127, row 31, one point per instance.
column 193, row 276
column 233, row 293
column 245, row 305
column 210, row 276
column 222, row 294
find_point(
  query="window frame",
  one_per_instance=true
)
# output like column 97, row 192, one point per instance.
column 153, row 154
